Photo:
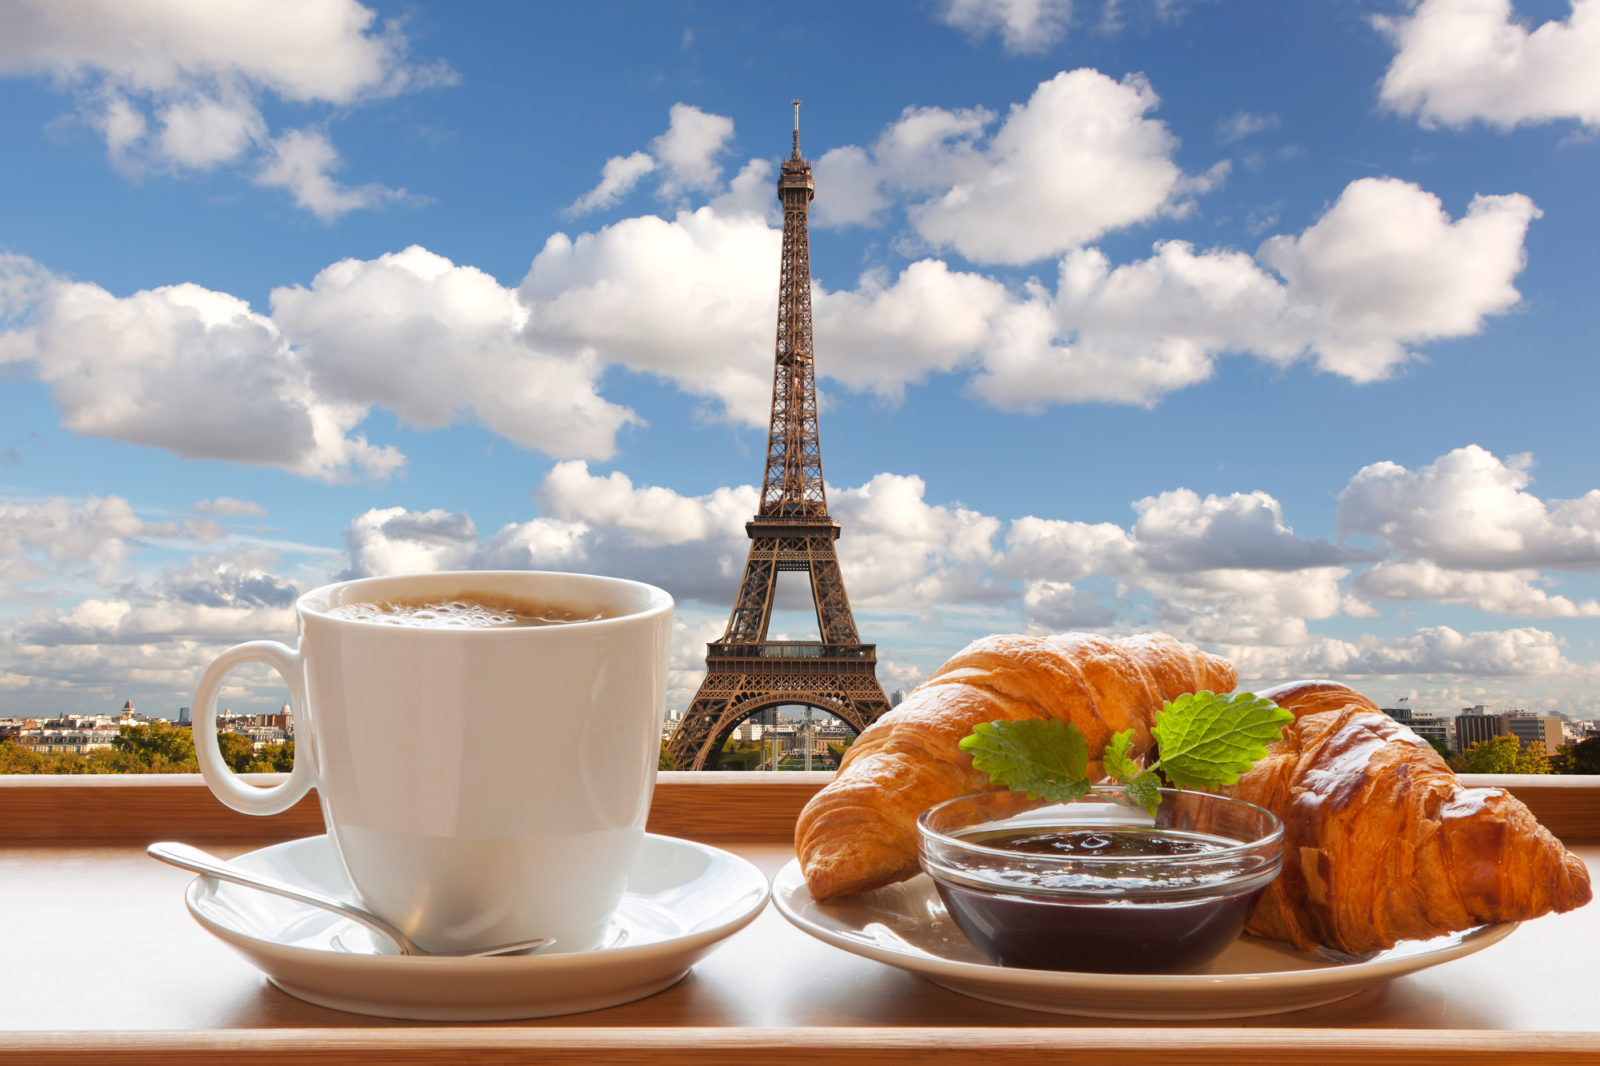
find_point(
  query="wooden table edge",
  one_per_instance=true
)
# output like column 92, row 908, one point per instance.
column 800, row 1046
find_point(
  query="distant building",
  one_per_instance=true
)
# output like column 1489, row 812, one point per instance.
column 896, row 698
column 185, row 716
column 1475, row 724
column 64, row 735
column 282, row 721
column 1429, row 727
column 1534, row 730
column 261, row 736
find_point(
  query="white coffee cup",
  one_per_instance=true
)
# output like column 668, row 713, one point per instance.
column 481, row 786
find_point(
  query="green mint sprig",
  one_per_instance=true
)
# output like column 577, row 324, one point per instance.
column 1203, row 741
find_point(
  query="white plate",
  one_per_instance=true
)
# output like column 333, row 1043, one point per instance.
column 906, row 926
column 682, row 899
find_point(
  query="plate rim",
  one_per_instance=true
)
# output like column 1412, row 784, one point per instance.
column 789, row 881
column 759, row 887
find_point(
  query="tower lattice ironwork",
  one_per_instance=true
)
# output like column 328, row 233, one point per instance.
column 792, row 531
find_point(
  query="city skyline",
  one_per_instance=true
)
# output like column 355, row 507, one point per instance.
column 1267, row 326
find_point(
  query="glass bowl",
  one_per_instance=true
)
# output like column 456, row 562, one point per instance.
column 1098, row 884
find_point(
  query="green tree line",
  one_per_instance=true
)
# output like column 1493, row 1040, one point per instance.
column 162, row 748
column 154, row 748
column 1506, row 755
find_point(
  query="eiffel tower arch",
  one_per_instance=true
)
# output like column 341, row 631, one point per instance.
column 792, row 531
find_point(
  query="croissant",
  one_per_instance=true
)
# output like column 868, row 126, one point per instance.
column 860, row 833
column 1382, row 841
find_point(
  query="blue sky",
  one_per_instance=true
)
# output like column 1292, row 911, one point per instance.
column 1266, row 325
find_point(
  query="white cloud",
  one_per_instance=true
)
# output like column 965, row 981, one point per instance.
column 1078, row 160
column 177, row 87
column 302, row 50
column 200, row 374
column 1179, row 531
column 930, row 149
column 433, row 342
column 903, row 552
column 1511, row 653
column 190, row 370
column 1386, row 265
column 1025, row 26
column 1226, row 571
column 1128, row 334
column 144, row 635
column 1461, row 61
column 1053, row 549
column 227, row 505
column 649, row 515
column 1242, row 124
column 1470, row 510
column 1385, row 268
column 685, row 160
column 691, row 300
column 884, row 335
column 749, row 193
column 617, row 178
column 1223, row 571
column 900, row 550
column 686, row 667
column 595, row 523
column 160, row 620
column 199, row 132
column 689, row 149
column 693, row 546
column 1514, row 592
column 1057, row 606
column 1214, row 569
column 302, row 162
column 853, row 195
column 38, row 538
column 392, row 540
column 1260, row 608
column 23, row 283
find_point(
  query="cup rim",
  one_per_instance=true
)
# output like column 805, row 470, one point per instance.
column 317, row 602
column 926, row 832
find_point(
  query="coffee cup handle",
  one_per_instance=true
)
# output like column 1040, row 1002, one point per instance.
column 248, row 799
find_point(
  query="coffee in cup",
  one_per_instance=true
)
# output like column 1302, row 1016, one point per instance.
column 468, row 610
column 483, row 744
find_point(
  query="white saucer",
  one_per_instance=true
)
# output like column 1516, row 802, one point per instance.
column 682, row 899
column 906, row 926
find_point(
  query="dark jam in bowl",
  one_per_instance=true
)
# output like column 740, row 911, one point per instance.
column 1115, row 920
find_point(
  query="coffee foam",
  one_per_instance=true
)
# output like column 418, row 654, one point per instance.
column 469, row 611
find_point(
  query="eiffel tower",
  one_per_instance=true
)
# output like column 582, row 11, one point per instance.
column 746, row 672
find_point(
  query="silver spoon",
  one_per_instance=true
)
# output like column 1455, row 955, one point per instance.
column 203, row 862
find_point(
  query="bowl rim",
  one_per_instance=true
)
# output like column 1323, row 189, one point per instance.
column 1276, row 837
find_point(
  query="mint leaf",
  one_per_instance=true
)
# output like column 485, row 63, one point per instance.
column 1140, row 786
column 1208, row 740
column 1044, row 757
column 1117, row 762
column 1145, row 790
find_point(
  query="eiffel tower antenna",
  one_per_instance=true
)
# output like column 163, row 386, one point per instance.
column 747, row 673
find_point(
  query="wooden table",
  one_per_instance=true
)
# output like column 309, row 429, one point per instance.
column 101, row 963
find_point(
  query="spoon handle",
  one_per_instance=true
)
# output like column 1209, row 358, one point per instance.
column 203, row 862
